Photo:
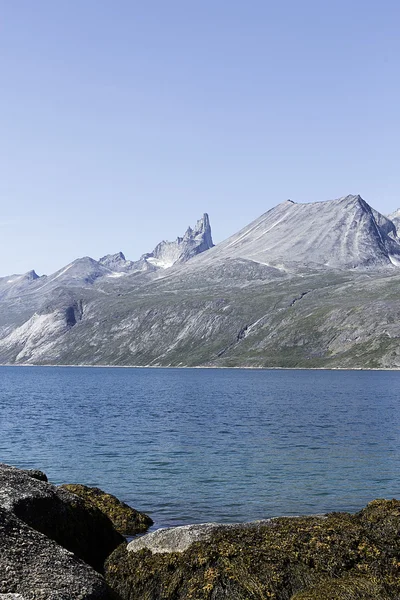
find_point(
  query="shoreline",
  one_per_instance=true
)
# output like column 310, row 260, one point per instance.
column 208, row 367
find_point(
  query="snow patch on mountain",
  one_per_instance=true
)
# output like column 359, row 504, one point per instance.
column 194, row 242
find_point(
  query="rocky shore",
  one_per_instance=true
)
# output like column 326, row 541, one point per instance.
column 67, row 543
column 53, row 543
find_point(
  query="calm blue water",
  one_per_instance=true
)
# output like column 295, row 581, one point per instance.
column 208, row 445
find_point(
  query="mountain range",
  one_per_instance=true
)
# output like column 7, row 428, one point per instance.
column 304, row 285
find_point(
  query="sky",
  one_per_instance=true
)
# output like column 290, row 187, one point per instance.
column 122, row 122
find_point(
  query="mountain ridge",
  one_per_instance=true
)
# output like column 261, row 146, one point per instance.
column 304, row 285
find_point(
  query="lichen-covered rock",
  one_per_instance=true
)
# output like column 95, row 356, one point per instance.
column 58, row 514
column 33, row 567
column 125, row 519
column 300, row 558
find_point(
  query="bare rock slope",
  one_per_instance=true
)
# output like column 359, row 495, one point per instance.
column 304, row 285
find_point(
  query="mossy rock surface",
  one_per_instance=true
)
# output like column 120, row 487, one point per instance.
column 337, row 557
column 346, row 588
column 125, row 519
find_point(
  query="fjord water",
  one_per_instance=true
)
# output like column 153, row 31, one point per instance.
column 195, row 445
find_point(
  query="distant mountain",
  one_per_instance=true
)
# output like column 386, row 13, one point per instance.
column 166, row 254
column 13, row 285
column 195, row 241
column 394, row 217
column 117, row 263
column 341, row 234
column 85, row 271
column 304, row 285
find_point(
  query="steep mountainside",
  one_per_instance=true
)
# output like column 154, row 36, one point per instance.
column 305, row 285
column 344, row 233
column 394, row 217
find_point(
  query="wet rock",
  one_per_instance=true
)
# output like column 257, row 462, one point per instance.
column 125, row 519
column 58, row 514
column 33, row 567
column 338, row 557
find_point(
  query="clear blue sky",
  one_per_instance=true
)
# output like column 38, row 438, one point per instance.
column 121, row 121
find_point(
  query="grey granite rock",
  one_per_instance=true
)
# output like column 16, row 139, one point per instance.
column 194, row 242
column 179, row 539
column 37, row 568
column 58, row 514
column 36, row 474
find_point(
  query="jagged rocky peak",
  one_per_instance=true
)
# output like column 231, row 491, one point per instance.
column 31, row 275
column 28, row 276
column 112, row 258
column 116, row 262
column 195, row 241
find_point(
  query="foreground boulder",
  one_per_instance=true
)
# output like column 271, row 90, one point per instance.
column 58, row 514
column 179, row 539
column 125, row 519
column 336, row 557
column 33, row 567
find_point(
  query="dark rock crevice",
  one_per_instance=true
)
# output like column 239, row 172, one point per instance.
column 74, row 313
column 293, row 302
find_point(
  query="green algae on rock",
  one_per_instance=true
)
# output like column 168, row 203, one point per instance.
column 336, row 557
column 125, row 519
column 346, row 588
